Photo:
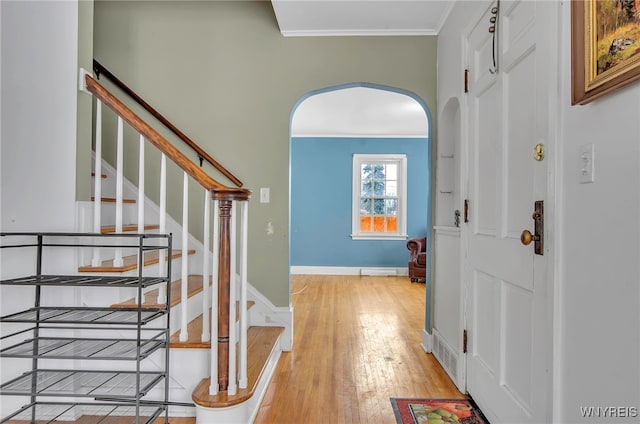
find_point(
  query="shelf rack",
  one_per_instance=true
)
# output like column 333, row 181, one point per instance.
column 86, row 413
column 117, row 393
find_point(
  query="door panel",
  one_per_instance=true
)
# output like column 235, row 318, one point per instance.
column 507, row 118
column 517, row 367
column 487, row 159
column 486, row 313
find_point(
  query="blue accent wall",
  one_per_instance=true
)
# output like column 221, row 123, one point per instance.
column 321, row 185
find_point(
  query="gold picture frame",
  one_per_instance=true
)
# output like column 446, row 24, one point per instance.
column 605, row 47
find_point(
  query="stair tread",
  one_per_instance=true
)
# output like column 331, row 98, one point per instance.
column 108, row 229
column 113, row 200
column 130, row 262
column 194, row 286
column 260, row 343
column 194, row 330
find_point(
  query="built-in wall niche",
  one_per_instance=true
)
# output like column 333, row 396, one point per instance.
column 448, row 164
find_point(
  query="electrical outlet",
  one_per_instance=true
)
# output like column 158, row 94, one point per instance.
column 587, row 167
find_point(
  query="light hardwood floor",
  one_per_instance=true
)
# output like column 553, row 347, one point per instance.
column 356, row 344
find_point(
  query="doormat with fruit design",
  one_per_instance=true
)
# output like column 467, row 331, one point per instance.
column 436, row 411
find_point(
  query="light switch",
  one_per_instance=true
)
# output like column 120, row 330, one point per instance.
column 587, row 166
column 264, row 195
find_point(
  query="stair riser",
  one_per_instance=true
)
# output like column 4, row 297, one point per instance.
column 108, row 213
column 194, row 308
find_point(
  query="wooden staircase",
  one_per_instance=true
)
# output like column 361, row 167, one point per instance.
column 263, row 344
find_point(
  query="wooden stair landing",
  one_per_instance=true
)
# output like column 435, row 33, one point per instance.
column 260, row 343
column 130, row 262
column 194, row 330
column 194, row 286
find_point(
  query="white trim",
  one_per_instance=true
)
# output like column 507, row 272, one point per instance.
column 345, row 270
column 379, row 236
column 357, row 33
column 82, row 81
column 264, row 313
column 554, row 216
column 448, row 231
column 427, row 341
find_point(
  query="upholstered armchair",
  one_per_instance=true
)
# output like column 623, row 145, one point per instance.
column 417, row 259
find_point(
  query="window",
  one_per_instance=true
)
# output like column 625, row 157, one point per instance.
column 379, row 197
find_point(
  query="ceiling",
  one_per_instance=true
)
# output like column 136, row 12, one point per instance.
column 360, row 17
column 359, row 111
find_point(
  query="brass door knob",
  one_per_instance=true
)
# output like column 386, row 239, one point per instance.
column 526, row 237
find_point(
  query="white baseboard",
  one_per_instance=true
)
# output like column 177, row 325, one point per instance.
column 264, row 313
column 427, row 343
column 347, row 270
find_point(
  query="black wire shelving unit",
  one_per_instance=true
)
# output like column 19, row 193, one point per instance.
column 85, row 335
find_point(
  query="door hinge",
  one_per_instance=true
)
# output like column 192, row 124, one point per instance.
column 466, row 80
column 464, row 341
column 466, row 210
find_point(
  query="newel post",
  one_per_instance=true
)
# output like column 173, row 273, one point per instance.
column 224, row 281
column 226, row 199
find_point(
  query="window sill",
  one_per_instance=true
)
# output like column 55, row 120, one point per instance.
column 378, row 237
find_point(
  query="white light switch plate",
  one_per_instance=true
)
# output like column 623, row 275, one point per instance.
column 587, row 166
column 264, row 195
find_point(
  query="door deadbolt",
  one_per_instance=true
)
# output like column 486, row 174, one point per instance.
column 538, row 152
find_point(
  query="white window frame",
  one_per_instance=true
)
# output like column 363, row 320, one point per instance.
column 401, row 161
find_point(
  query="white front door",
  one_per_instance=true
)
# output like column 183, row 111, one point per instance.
column 506, row 316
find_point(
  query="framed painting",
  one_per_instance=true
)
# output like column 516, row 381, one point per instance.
column 605, row 47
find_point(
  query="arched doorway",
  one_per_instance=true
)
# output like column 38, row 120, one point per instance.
column 328, row 127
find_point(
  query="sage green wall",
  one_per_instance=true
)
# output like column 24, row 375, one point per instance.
column 223, row 73
column 83, row 146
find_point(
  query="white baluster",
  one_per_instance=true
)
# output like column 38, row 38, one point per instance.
column 163, row 226
column 205, row 268
column 244, row 224
column 213, row 385
column 233, row 385
column 119, row 185
column 141, row 187
column 140, row 193
column 184, row 336
column 97, row 183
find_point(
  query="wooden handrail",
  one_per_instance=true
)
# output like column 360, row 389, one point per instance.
column 219, row 190
column 100, row 69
